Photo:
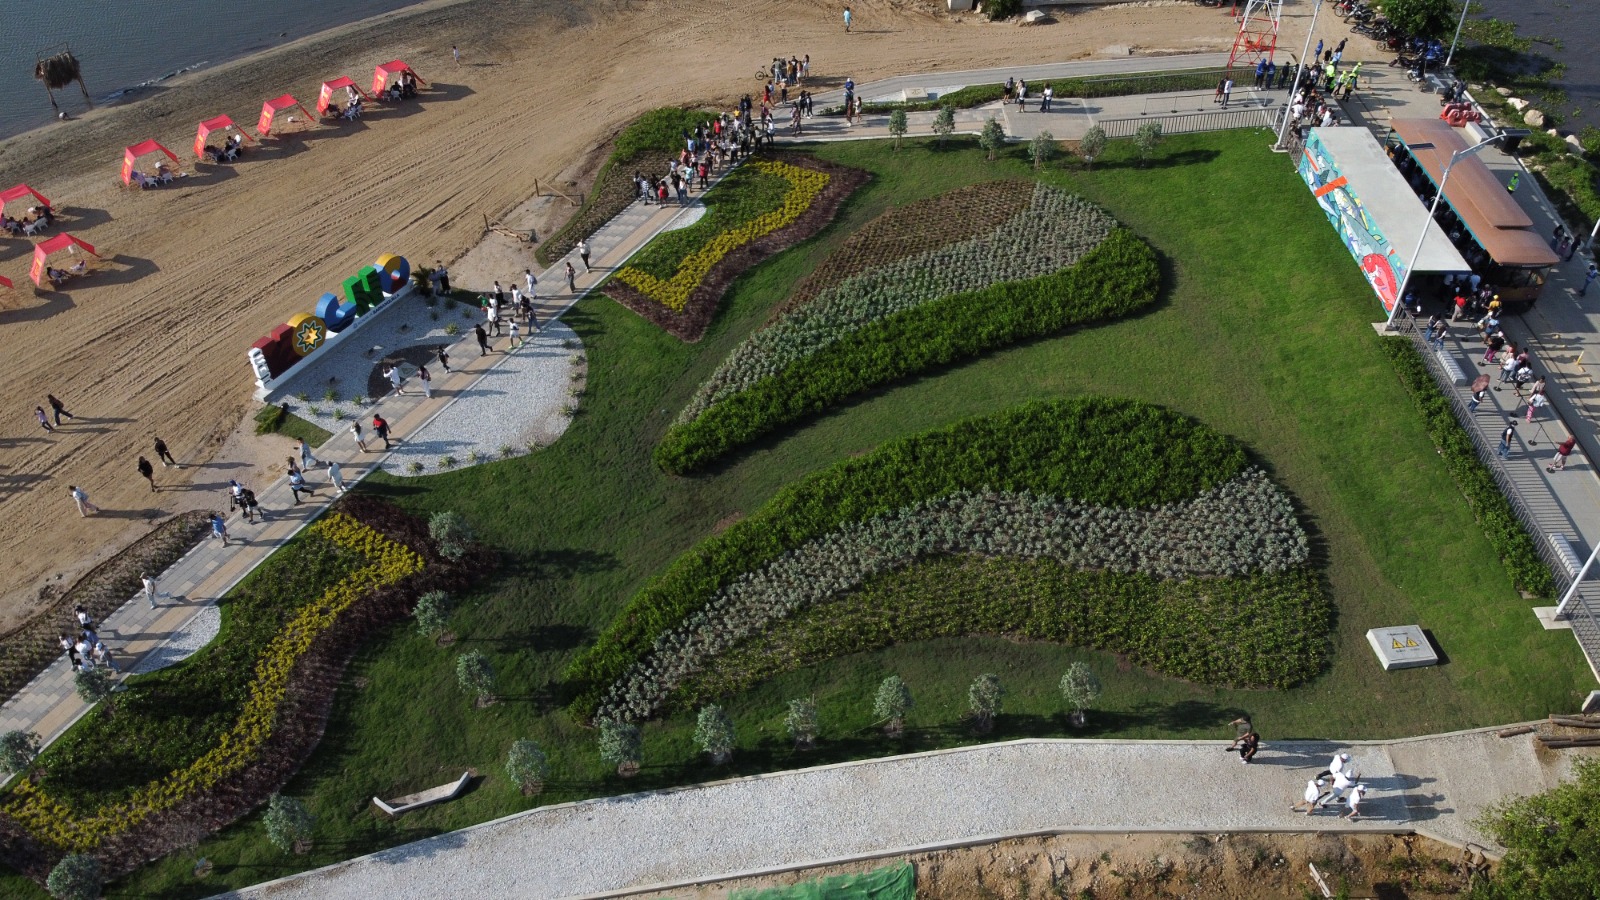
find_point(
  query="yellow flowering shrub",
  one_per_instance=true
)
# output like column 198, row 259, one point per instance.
column 54, row 824
column 674, row 292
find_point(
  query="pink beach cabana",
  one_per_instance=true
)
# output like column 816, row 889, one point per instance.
column 391, row 69
column 325, row 96
column 44, row 249
column 20, row 192
column 271, row 108
column 132, row 155
column 220, row 123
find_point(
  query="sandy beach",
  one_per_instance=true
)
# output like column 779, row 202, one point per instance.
column 154, row 342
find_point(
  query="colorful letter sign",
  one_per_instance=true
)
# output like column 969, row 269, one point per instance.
column 304, row 333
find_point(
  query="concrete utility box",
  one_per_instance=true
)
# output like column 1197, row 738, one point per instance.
column 960, row 5
column 1402, row 647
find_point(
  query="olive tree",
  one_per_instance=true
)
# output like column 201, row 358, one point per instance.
column 619, row 745
column 1080, row 688
column 527, row 766
column 288, row 823
column 714, row 733
column 18, row 749
column 475, row 676
column 76, row 877
column 992, row 138
column 1146, row 139
column 897, row 125
column 802, row 722
column 432, row 612
column 944, row 124
column 450, row 532
column 891, row 704
column 94, row 684
column 1092, row 145
column 984, row 697
column 1042, row 149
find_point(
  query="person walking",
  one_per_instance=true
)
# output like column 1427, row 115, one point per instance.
column 1563, row 450
column 531, row 283
column 85, row 621
column 149, row 588
column 219, row 528
column 1478, row 397
column 483, row 341
column 81, row 498
column 336, row 476
column 70, row 648
column 1227, row 91
column 456, row 52
column 514, row 341
column 847, row 20
column 1241, row 727
column 393, row 374
column 1588, row 279
column 427, row 381
column 380, row 427
column 355, row 432
column 1216, row 98
column 444, row 360
column 443, row 275
column 163, row 455
column 252, row 507
column 1248, row 746
column 81, row 649
column 1312, row 795
column 1536, row 401
column 56, row 406
column 1356, row 793
column 43, row 418
column 102, row 656
column 1511, row 186
column 583, row 254
column 1048, row 95
column 1506, row 436
column 297, row 484
column 572, row 273
column 491, row 315
column 307, row 461
column 149, row 473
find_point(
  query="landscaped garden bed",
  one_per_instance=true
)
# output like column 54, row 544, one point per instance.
column 191, row 748
column 759, row 209
column 1143, row 532
column 1055, row 261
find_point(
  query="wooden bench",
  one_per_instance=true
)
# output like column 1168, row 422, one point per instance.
column 424, row 798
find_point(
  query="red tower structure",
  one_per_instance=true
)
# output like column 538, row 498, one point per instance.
column 1258, row 33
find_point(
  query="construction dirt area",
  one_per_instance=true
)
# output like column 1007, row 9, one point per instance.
column 153, row 341
column 1151, row 866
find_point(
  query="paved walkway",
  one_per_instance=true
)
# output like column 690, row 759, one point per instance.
column 799, row 819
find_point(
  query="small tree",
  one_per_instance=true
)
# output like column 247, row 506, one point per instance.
column 944, row 124
column 1551, row 838
column 891, row 705
column 76, row 877
column 992, row 138
column 432, row 612
column 1146, row 140
column 450, row 533
column 984, row 696
column 714, row 733
column 1426, row 18
column 802, row 722
column 527, row 766
column 897, row 125
column 619, row 745
column 475, row 676
column 1042, row 149
column 94, row 685
column 1081, row 689
column 289, row 824
column 1092, row 145
column 18, row 749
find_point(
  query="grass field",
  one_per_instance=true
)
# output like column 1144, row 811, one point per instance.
column 1261, row 333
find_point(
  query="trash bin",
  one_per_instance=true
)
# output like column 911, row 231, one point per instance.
column 1511, row 139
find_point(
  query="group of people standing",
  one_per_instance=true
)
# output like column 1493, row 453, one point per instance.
column 1017, row 90
column 86, row 651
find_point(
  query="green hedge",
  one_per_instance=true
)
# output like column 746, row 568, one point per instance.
column 1113, row 280
column 1257, row 631
column 1111, row 452
column 1118, row 86
column 1500, row 525
column 642, row 146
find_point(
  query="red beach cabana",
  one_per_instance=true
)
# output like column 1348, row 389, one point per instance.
column 272, row 107
column 20, row 192
column 325, row 96
column 131, row 156
column 220, row 123
column 44, row 249
column 391, row 69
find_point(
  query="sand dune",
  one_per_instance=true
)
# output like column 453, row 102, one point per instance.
column 157, row 343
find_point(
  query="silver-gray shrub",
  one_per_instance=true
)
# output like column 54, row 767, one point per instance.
column 1246, row 525
column 1053, row 232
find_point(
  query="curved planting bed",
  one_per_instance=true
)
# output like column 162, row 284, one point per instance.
column 187, row 750
column 759, row 209
column 1104, row 523
column 922, row 286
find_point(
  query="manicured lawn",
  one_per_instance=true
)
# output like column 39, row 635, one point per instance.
column 1261, row 333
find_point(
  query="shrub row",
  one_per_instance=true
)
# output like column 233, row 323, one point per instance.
column 1501, row 526
column 1263, row 630
column 642, row 146
column 1247, row 525
column 1118, row 453
column 1118, row 86
column 1111, row 281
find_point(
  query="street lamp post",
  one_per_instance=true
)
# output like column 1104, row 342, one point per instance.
column 1566, row 599
column 1294, row 90
column 1400, row 295
column 1465, row 5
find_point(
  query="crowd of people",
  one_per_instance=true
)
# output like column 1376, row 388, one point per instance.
column 721, row 142
column 87, row 651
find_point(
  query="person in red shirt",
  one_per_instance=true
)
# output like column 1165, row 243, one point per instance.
column 1563, row 450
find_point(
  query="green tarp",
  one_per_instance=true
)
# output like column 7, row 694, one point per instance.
column 898, row 882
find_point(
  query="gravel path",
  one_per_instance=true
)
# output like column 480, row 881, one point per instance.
column 521, row 401
column 852, row 810
column 183, row 643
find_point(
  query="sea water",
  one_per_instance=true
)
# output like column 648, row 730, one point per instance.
column 128, row 46
column 1576, row 23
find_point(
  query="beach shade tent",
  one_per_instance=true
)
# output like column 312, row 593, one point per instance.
column 391, row 69
column 20, row 192
column 220, row 123
column 325, row 96
column 271, row 108
column 132, row 155
column 44, row 249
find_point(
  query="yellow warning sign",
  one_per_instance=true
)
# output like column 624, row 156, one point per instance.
column 1394, row 643
column 1411, row 643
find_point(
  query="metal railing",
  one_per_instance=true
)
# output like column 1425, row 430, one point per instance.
column 1185, row 123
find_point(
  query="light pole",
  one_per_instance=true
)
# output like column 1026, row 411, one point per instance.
column 1294, row 90
column 1561, row 608
column 1465, row 5
column 1400, row 295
